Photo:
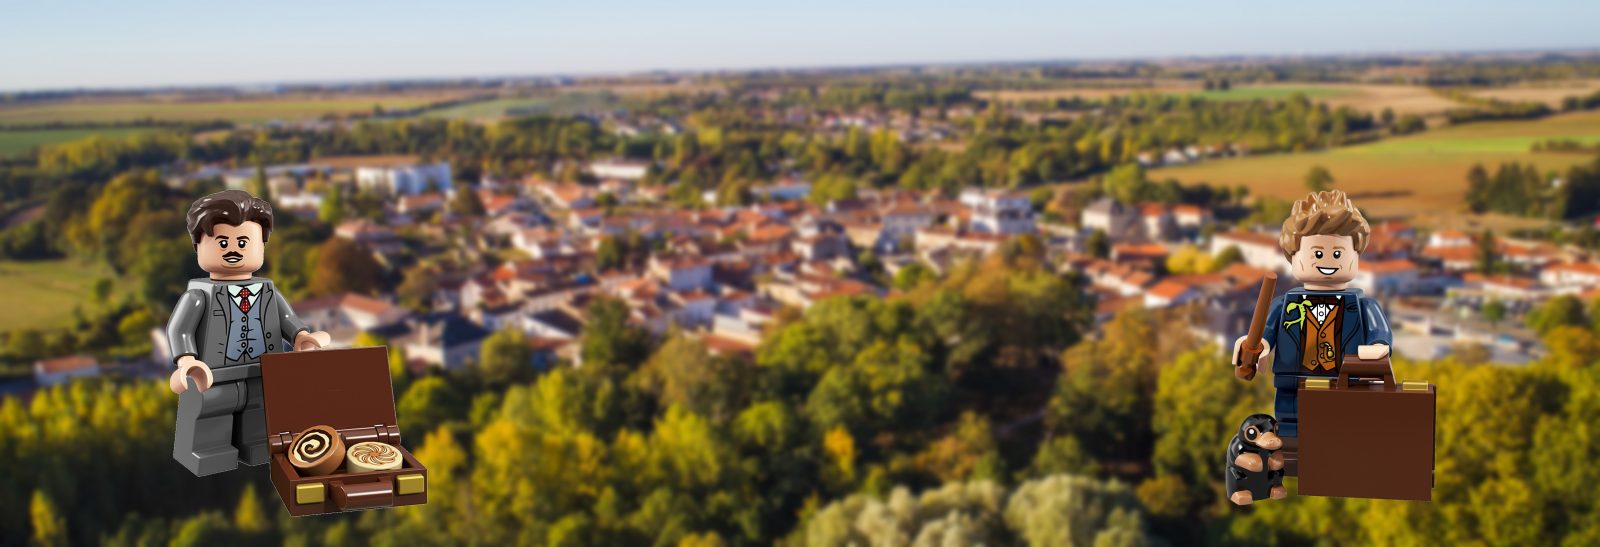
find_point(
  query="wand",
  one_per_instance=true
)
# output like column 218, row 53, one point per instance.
column 1250, row 353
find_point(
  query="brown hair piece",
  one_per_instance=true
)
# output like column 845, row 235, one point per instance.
column 231, row 207
column 1328, row 213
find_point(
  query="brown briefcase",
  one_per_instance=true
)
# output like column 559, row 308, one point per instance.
column 1366, row 439
column 348, row 390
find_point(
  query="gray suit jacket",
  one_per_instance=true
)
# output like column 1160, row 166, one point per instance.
column 199, row 326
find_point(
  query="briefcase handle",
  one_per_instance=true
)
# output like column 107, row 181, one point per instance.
column 363, row 495
column 1365, row 368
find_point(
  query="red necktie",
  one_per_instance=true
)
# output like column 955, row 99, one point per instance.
column 244, row 300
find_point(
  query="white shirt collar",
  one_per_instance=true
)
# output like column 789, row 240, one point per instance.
column 255, row 289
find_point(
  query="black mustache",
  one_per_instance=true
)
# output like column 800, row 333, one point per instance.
column 231, row 254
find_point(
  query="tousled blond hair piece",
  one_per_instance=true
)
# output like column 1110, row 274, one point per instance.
column 1328, row 213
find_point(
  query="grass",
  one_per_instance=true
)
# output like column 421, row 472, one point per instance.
column 1421, row 176
column 43, row 293
column 250, row 110
column 15, row 142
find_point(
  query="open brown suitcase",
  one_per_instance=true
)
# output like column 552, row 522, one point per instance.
column 348, row 390
column 1366, row 439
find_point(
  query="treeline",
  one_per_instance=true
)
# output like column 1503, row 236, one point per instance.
column 1495, row 109
column 1564, row 145
column 1521, row 189
column 906, row 421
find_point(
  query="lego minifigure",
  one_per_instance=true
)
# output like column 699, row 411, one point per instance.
column 1254, row 468
column 1314, row 326
column 218, row 331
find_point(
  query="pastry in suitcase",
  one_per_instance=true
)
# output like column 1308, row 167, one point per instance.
column 333, row 435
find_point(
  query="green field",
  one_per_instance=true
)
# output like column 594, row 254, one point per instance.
column 14, row 142
column 242, row 111
column 43, row 293
column 565, row 103
column 1423, row 174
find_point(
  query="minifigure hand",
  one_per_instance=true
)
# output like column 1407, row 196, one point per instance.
column 1244, row 373
column 189, row 367
column 307, row 341
column 1373, row 351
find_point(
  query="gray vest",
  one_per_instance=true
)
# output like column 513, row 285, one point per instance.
column 245, row 331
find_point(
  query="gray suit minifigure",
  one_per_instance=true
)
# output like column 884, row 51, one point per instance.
column 218, row 332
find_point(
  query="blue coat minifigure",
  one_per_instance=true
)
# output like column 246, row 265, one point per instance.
column 1310, row 329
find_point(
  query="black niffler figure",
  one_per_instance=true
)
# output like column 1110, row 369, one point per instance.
column 1254, row 466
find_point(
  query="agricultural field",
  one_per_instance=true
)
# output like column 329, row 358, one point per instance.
column 240, row 110
column 1547, row 93
column 16, row 142
column 1404, row 99
column 48, row 290
column 555, row 103
column 1422, row 175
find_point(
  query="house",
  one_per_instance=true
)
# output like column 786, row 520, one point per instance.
column 681, row 273
column 1571, row 276
column 405, row 179
column 1109, row 216
column 619, row 169
column 420, row 204
column 1397, row 277
column 1506, row 287
column 443, row 340
column 784, row 190
column 376, row 237
column 1450, row 238
column 1158, row 222
column 1170, row 292
column 346, row 314
column 998, row 212
column 1259, row 250
column 1149, row 254
column 49, row 372
column 569, row 195
column 1190, row 217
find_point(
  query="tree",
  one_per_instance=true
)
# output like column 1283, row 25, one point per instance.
column 1494, row 311
column 417, row 287
column 1487, row 255
column 1071, row 510
column 609, row 338
column 248, row 516
column 1387, row 116
column 1319, row 179
column 1098, row 244
column 49, row 529
column 1127, row 183
column 344, row 266
column 609, row 254
column 1560, row 311
column 331, row 210
column 505, row 357
column 466, row 203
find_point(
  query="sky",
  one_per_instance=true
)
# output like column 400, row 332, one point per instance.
column 113, row 44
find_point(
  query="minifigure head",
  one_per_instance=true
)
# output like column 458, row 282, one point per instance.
column 1323, row 239
column 229, row 230
column 1261, row 430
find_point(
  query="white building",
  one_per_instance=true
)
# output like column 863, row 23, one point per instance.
column 405, row 179
column 619, row 169
column 997, row 212
column 1259, row 250
column 1571, row 276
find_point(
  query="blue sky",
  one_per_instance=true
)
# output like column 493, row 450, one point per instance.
column 61, row 44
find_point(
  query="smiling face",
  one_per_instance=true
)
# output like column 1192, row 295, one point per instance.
column 1326, row 262
column 232, row 252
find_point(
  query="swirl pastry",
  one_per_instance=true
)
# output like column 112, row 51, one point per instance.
column 317, row 451
column 372, row 456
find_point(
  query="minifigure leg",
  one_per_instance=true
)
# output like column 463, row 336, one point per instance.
column 1286, row 407
column 250, row 426
column 203, row 441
